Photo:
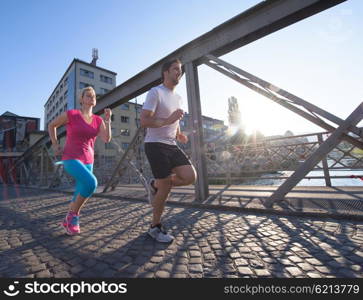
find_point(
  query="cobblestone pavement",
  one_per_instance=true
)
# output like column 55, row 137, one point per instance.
column 209, row 243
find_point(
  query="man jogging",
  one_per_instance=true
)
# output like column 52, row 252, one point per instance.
column 170, row 166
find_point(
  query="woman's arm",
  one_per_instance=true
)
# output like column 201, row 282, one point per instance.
column 52, row 130
column 105, row 129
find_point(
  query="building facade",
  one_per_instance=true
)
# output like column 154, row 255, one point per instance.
column 125, row 123
column 13, row 132
column 78, row 75
column 212, row 128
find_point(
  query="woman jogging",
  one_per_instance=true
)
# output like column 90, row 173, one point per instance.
column 82, row 127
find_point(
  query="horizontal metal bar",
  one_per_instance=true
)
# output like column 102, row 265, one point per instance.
column 283, row 177
column 251, row 25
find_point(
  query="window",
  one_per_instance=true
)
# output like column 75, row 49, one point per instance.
column 109, row 160
column 82, row 85
column 87, row 73
column 125, row 106
column 65, row 95
column 138, row 109
column 65, row 81
column 104, row 91
column 109, row 146
column 106, row 79
column 124, row 146
column 125, row 119
column 65, row 107
column 112, row 117
column 125, row 132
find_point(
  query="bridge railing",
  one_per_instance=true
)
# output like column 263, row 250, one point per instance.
column 237, row 163
column 227, row 163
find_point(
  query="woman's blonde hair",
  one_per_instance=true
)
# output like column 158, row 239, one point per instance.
column 84, row 90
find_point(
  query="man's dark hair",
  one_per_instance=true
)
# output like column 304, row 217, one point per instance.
column 166, row 66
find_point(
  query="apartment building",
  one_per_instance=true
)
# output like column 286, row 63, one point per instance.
column 125, row 122
column 78, row 75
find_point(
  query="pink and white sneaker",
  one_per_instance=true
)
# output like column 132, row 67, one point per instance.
column 71, row 223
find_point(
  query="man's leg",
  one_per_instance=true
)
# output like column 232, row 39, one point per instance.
column 163, row 189
column 183, row 175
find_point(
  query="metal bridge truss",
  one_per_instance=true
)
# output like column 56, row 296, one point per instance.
column 36, row 166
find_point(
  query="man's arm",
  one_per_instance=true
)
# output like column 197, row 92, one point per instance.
column 181, row 137
column 148, row 119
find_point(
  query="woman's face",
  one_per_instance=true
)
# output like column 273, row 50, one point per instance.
column 89, row 98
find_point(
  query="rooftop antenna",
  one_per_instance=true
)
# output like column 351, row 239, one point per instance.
column 94, row 56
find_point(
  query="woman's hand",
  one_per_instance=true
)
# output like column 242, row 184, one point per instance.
column 57, row 149
column 108, row 114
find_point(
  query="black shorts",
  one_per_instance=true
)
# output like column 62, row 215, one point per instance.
column 163, row 158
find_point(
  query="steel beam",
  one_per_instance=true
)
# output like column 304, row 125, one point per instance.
column 354, row 118
column 234, row 73
column 196, row 129
column 296, row 100
column 325, row 164
column 116, row 171
column 251, row 25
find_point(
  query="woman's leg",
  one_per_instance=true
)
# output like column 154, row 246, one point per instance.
column 86, row 184
column 85, row 187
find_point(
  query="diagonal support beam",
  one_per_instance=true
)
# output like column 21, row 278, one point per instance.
column 116, row 171
column 295, row 99
column 267, row 89
column 354, row 118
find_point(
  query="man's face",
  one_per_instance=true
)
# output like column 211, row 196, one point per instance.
column 174, row 73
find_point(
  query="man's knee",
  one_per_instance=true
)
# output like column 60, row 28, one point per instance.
column 164, row 184
column 188, row 177
column 191, row 179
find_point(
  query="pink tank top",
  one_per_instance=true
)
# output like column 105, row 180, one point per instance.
column 81, row 137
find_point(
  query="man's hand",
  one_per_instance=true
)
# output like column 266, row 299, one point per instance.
column 175, row 116
column 182, row 138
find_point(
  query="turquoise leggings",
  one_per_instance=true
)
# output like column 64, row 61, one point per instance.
column 86, row 182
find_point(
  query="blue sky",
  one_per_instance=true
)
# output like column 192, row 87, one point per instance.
column 318, row 59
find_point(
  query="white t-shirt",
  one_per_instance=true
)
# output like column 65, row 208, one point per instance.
column 163, row 102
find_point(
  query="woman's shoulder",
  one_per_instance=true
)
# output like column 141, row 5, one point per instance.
column 98, row 118
column 73, row 112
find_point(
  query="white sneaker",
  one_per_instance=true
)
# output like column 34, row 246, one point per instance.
column 159, row 233
column 151, row 191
